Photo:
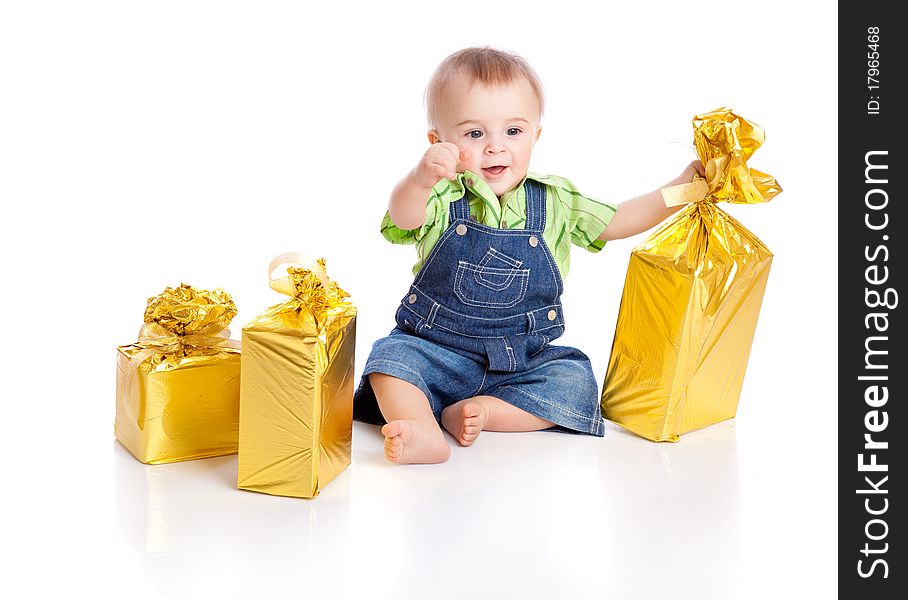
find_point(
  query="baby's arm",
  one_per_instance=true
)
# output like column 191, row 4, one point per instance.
column 407, row 205
column 643, row 212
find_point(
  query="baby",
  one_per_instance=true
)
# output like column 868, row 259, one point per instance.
column 471, row 348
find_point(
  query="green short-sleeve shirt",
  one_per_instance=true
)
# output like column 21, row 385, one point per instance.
column 571, row 217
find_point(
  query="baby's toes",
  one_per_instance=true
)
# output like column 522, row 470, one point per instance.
column 393, row 447
column 471, row 413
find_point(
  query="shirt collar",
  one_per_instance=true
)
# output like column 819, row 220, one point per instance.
column 476, row 184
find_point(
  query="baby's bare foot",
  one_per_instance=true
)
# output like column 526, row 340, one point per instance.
column 465, row 420
column 414, row 442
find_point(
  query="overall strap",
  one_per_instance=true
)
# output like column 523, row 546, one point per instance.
column 535, row 192
column 460, row 209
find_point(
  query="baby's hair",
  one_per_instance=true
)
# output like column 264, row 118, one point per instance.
column 484, row 65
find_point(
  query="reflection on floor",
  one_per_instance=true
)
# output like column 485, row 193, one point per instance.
column 543, row 512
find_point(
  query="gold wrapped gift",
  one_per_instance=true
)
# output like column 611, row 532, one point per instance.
column 296, row 409
column 692, row 296
column 178, row 386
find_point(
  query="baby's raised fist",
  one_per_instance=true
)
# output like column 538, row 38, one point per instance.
column 440, row 161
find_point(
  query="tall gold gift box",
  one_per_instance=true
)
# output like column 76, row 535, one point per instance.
column 178, row 386
column 692, row 296
column 296, row 410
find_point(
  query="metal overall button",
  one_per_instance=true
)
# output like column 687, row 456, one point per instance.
column 552, row 314
column 534, row 241
column 461, row 229
column 411, row 298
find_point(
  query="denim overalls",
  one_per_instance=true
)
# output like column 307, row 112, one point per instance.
column 478, row 320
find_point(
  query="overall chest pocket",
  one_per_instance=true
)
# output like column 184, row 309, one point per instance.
column 496, row 282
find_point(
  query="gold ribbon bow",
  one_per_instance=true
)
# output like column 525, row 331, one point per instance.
column 158, row 339
column 307, row 284
column 724, row 142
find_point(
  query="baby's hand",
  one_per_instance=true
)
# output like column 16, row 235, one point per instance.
column 687, row 175
column 440, row 161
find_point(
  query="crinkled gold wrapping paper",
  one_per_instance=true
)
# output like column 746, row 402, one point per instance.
column 178, row 387
column 296, row 410
column 691, row 298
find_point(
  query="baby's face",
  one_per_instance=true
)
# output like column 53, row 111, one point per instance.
column 499, row 125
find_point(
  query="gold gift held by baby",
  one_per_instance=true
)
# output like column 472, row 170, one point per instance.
column 296, row 411
column 178, row 386
column 692, row 296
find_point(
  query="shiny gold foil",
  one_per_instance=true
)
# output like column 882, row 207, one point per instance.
column 296, row 410
column 691, row 298
column 178, row 386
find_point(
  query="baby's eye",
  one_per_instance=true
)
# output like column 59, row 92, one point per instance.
column 475, row 137
column 513, row 131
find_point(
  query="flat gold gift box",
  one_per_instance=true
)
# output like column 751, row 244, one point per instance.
column 692, row 297
column 178, row 387
column 296, row 410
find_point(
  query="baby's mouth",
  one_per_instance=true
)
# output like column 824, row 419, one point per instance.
column 497, row 170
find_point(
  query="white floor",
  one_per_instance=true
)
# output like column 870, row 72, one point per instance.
column 516, row 515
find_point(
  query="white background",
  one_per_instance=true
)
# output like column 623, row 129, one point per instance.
column 144, row 144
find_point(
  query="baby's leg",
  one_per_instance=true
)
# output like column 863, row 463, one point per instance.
column 411, row 435
column 467, row 418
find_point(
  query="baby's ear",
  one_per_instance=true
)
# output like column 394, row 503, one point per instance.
column 433, row 136
column 538, row 131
